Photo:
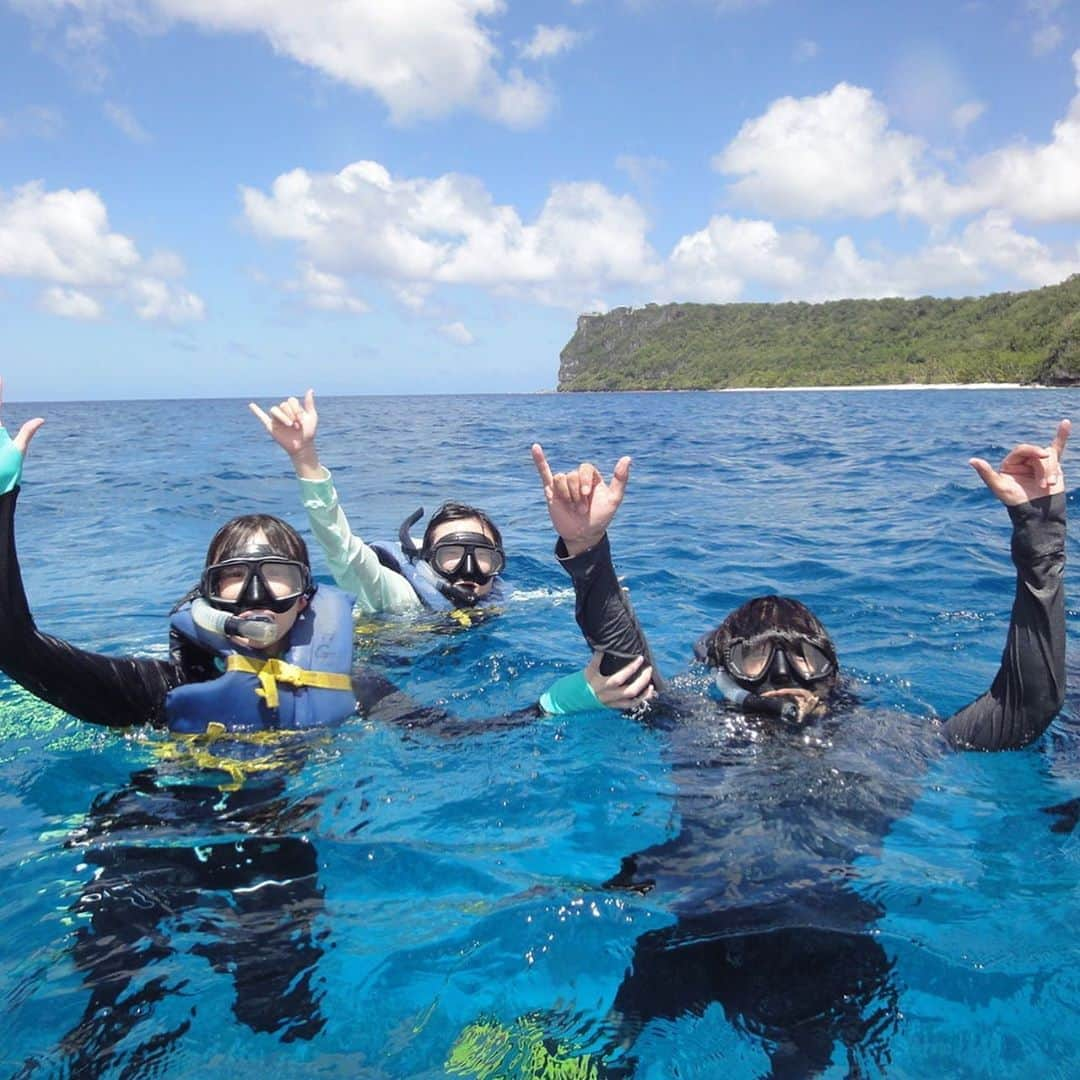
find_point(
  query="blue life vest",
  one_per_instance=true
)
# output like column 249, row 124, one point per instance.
column 260, row 693
column 425, row 582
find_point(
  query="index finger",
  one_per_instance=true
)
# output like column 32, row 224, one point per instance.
column 541, row 463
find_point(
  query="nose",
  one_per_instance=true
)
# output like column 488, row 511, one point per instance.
column 254, row 594
column 779, row 673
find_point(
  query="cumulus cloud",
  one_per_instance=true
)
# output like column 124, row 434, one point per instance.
column 327, row 292
column 458, row 333
column 827, row 155
column 587, row 248
column 836, row 155
column 63, row 238
column 1038, row 183
column 548, row 41
column 422, row 58
column 70, row 303
column 122, row 118
column 717, row 263
column 414, row 234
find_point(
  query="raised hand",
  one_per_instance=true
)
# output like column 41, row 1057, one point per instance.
column 22, row 440
column 580, row 503
column 292, row 426
column 624, row 689
column 1028, row 471
column 12, row 451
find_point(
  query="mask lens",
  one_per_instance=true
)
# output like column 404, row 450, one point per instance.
column 447, row 558
column 807, row 660
column 750, row 659
column 226, row 582
column 282, row 579
column 489, row 561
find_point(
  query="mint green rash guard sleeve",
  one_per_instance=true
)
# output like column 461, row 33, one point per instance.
column 355, row 566
column 570, row 694
column 11, row 462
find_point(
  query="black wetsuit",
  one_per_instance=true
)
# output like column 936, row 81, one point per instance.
column 769, row 920
column 254, row 901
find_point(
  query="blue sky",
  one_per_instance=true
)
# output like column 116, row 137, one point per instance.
column 216, row 198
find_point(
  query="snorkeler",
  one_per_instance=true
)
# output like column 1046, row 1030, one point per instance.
column 787, row 782
column 456, row 565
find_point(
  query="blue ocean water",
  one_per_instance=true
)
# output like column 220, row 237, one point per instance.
column 460, row 881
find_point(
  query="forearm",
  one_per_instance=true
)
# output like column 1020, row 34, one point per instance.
column 114, row 691
column 603, row 610
column 1029, row 688
column 354, row 565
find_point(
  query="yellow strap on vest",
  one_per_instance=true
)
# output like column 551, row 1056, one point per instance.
column 271, row 672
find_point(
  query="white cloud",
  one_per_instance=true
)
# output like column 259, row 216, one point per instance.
column 805, row 50
column 458, row 333
column 1046, row 39
column 70, row 304
column 836, row 155
column 327, row 292
column 422, row 58
column 641, row 169
column 63, row 238
column 549, row 41
column 123, row 118
column 716, row 263
column 827, row 155
column 32, row 121
column 414, row 234
column 963, row 116
column 1039, row 183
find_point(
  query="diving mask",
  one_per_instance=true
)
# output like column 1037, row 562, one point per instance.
column 775, row 653
column 251, row 582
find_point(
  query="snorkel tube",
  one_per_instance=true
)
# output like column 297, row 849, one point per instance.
column 408, row 544
column 744, row 699
column 260, row 629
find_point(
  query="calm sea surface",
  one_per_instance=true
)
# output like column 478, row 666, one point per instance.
column 452, row 914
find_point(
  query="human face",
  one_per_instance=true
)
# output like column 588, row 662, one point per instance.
column 783, row 664
column 256, row 583
column 480, row 557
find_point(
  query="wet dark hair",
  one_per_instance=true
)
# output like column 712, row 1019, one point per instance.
column 455, row 511
column 234, row 538
column 761, row 615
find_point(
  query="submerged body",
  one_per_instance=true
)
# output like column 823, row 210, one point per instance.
column 776, row 810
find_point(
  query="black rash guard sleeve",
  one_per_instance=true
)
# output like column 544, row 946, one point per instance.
column 110, row 690
column 1029, row 688
column 603, row 609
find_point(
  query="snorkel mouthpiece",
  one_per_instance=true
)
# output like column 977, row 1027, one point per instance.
column 732, row 692
column 260, row 629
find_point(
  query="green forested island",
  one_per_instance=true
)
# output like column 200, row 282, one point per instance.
column 1025, row 337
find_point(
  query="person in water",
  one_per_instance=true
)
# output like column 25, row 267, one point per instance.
column 257, row 652
column 788, row 781
column 457, row 565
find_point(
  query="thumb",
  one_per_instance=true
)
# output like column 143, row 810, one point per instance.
column 309, row 401
column 26, row 433
column 987, row 473
column 620, row 477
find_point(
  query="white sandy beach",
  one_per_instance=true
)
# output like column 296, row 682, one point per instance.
column 886, row 386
